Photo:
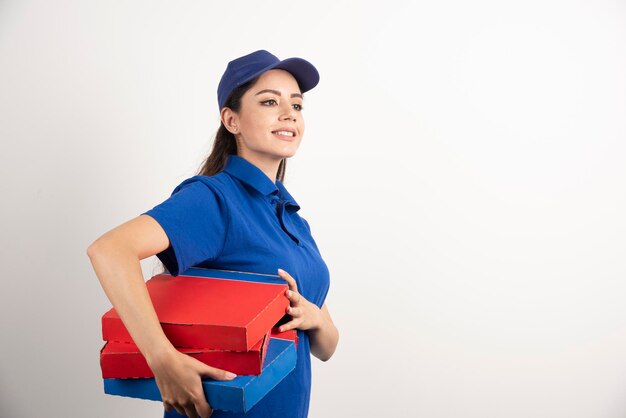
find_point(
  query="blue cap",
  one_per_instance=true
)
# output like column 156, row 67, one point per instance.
column 250, row 66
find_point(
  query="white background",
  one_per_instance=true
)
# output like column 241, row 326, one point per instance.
column 463, row 172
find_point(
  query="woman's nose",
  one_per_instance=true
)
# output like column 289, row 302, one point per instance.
column 288, row 112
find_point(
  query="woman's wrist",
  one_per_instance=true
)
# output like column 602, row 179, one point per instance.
column 319, row 322
column 159, row 354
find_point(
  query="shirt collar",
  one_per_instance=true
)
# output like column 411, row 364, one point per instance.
column 252, row 175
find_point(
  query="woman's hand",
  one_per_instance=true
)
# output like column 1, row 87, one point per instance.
column 178, row 377
column 323, row 334
column 306, row 315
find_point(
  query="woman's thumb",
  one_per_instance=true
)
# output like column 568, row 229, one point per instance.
column 217, row 374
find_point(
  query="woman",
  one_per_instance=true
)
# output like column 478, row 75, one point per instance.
column 235, row 215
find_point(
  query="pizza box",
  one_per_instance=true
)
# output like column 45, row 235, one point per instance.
column 237, row 395
column 125, row 361
column 209, row 312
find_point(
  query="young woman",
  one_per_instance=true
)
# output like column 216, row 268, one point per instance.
column 235, row 215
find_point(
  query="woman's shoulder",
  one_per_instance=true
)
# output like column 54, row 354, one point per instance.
column 218, row 183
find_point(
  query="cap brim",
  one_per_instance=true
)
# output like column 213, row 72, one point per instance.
column 303, row 71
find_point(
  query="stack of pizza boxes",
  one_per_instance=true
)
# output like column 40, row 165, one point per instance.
column 224, row 319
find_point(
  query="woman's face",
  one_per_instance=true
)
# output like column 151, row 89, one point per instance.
column 269, row 125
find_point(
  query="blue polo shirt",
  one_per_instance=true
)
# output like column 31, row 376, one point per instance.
column 240, row 220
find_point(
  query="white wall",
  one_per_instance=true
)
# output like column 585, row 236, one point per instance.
column 463, row 173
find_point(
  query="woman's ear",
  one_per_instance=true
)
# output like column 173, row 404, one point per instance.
column 230, row 120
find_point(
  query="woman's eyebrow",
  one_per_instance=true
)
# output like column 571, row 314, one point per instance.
column 276, row 92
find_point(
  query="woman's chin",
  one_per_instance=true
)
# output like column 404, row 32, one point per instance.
column 287, row 153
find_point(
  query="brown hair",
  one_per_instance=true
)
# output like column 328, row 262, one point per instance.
column 225, row 143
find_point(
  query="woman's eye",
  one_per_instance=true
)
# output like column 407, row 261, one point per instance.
column 273, row 102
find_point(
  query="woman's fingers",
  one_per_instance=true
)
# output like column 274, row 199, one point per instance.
column 200, row 406
column 212, row 372
column 204, row 410
column 293, row 297
column 198, row 400
column 180, row 410
column 293, row 286
column 190, row 411
column 293, row 324
column 179, row 381
column 294, row 312
column 305, row 315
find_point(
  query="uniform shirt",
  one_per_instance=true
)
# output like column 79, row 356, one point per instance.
column 240, row 220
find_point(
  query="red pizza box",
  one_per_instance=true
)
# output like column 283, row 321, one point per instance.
column 125, row 361
column 204, row 312
column 290, row 335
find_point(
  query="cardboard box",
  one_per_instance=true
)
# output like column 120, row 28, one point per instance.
column 290, row 335
column 233, row 275
column 237, row 395
column 204, row 312
column 125, row 361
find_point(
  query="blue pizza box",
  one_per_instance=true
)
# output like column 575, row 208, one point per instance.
column 233, row 275
column 237, row 395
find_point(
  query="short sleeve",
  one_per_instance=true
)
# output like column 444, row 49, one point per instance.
column 195, row 219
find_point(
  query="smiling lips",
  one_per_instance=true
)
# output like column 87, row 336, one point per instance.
column 287, row 135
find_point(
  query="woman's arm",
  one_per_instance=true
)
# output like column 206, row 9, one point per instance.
column 323, row 334
column 115, row 257
column 325, row 337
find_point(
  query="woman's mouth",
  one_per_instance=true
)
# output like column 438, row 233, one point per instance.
column 285, row 135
